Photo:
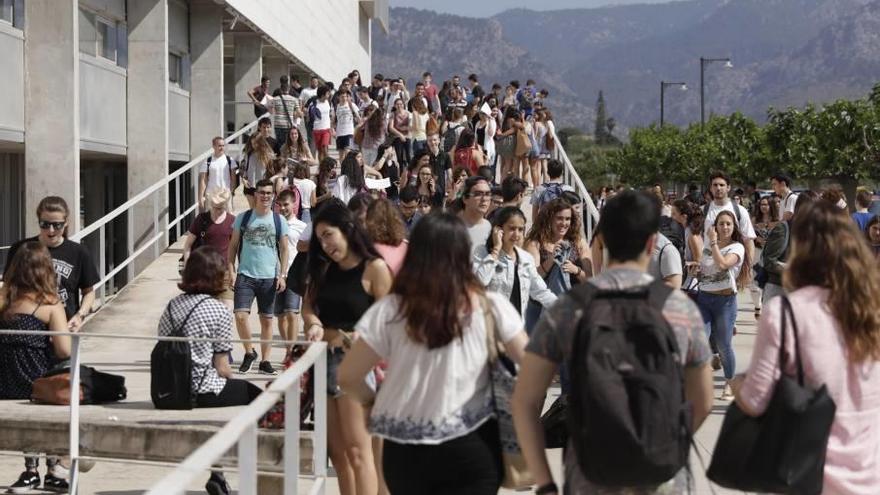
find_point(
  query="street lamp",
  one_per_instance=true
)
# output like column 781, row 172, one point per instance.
column 663, row 85
column 703, row 63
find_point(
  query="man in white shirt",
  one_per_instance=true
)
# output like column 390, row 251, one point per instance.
column 719, row 186
column 307, row 94
column 782, row 187
column 218, row 172
column 476, row 198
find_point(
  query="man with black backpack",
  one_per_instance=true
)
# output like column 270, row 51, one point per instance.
column 638, row 362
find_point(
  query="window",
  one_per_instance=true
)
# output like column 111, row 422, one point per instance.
column 106, row 39
column 174, row 68
column 88, row 33
column 6, row 8
column 101, row 37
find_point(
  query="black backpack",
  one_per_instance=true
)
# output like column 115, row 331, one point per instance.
column 673, row 231
column 171, row 370
column 629, row 422
column 450, row 137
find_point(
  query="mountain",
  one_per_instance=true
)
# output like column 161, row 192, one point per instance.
column 784, row 52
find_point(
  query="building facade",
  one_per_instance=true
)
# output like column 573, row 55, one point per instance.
column 102, row 98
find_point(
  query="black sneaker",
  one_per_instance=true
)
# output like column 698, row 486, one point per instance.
column 249, row 358
column 267, row 369
column 55, row 484
column 27, row 482
column 217, row 484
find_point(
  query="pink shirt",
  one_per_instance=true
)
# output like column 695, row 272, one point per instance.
column 852, row 465
column 393, row 255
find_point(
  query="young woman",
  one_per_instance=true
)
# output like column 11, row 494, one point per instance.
column 434, row 339
column 723, row 269
column 426, row 183
column 411, row 174
column 503, row 266
column 375, row 130
column 346, row 276
column 387, row 165
column 691, row 218
column 277, row 172
column 487, row 127
column 29, row 301
column 399, row 130
column 259, row 156
column 351, row 179
column 459, row 175
column 564, row 258
column 833, row 285
column 543, row 152
column 507, row 141
column 420, row 118
column 388, row 233
column 872, row 232
column 307, row 190
column 466, row 153
column 297, row 149
column 325, row 183
column 765, row 219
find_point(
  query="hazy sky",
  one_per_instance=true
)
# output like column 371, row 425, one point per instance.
column 485, row 8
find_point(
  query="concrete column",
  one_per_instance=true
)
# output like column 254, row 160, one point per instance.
column 206, row 96
column 275, row 67
column 147, row 118
column 51, row 92
column 248, row 70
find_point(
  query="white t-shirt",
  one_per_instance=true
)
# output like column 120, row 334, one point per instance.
column 218, row 178
column 788, row 203
column 665, row 259
column 489, row 142
column 324, row 121
column 432, row 396
column 479, row 233
column 306, row 187
column 712, row 278
column 345, row 119
column 306, row 95
column 295, row 227
column 745, row 221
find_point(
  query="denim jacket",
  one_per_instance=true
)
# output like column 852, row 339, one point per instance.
column 497, row 276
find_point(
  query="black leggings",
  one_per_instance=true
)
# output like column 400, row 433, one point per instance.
column 468, row 465
column 235, row 393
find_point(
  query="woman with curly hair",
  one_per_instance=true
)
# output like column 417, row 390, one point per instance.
column 388, row 233
column 564, row 258
column 375, row 129
column 297, row 149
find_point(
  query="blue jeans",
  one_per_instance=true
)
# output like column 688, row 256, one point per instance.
column 247, row 289
column 719, row 317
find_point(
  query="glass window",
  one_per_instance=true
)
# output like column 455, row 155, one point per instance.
column 88, row 33
column 6, row 10
column 174, row 68
column 106, row 39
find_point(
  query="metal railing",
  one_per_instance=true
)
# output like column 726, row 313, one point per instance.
column 242, row 429
column 157, row 191
column 571, row 178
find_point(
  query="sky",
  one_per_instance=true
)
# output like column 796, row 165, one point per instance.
column 486, row 8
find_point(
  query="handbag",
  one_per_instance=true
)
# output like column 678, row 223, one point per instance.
column 95, row 387
column 502, row 377
column 783, row 450
column 523, row 143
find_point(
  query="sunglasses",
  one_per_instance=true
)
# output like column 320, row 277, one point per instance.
column 46, row 225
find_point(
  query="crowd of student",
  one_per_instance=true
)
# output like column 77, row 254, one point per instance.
column 411, row 280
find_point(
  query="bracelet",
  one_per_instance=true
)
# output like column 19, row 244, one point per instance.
column 545, row 489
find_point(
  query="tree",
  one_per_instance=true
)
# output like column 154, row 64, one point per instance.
column 600, row 134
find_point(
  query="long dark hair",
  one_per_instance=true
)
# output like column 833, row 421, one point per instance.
column 432, row 311
column 499, row 219
column 335, row 213
column 324, row 168
column 352, row 170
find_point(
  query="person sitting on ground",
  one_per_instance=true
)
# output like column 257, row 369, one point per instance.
column 833, row 287
column 434, row 337
column 29, row 301
column 629, row 225
column 504, row 267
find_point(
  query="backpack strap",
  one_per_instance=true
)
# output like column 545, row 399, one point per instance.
column 208, row 169
column 277, row 218
column 584, row 294
column 245, row 220
column 177, row 330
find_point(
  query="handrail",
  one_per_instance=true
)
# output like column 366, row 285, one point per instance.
column 241, row 429
column 572, row 178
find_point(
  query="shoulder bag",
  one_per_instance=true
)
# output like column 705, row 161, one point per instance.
column 783, row 450
column 502, row 377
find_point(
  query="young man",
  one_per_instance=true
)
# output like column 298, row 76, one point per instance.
column 629, row 228
column 319, row 116
column 781, row 184
column 441, row 164
column 287, row 303
column 512, row 191
column 551, row 189
column 217, row 173
column 862, row 215
column 259, row 242
column 285, row 116
column 409, row 207
column 364, row 100
column 345, row 118
column 431, row 93
column 212, row 228
column 476, row 197
column 666, row 262
column 377, row 88
column 477, row 93
column 259, row 95
column 306, row 94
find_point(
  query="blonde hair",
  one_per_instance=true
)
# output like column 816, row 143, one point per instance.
column 828, row 250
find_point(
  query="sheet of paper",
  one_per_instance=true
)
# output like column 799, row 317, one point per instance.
column 378, row 183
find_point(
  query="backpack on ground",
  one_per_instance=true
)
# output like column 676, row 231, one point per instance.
column 549, row 192
column 171, row 369
column 629, row 422
column 450, row 137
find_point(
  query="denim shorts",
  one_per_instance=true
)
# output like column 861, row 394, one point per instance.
column 334, row 359
column 287, row 302
column 247, row 288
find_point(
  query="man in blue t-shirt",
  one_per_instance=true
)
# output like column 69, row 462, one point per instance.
column 259, row 242
column 862, row 216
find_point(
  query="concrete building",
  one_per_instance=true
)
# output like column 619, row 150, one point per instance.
column 102, row 98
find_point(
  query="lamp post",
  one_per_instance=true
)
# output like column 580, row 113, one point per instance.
column 663, row 86
column 703, row 63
